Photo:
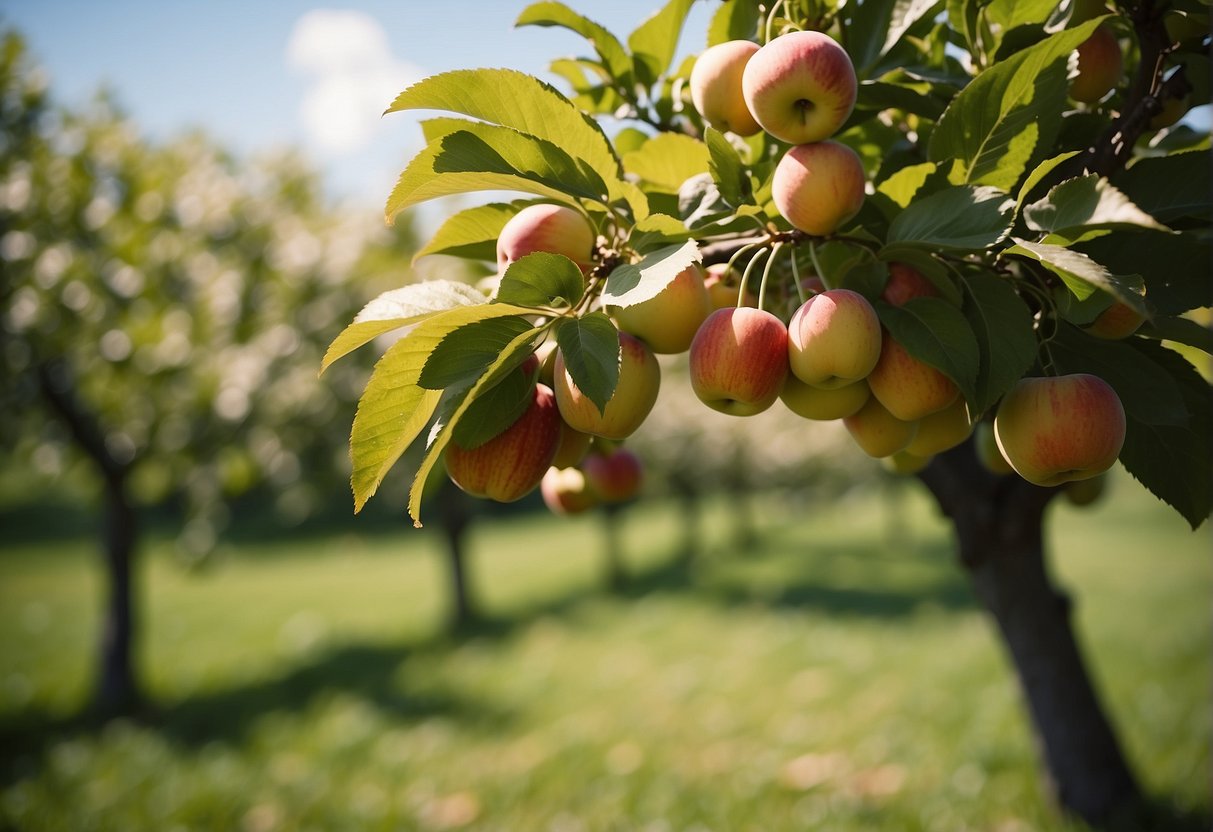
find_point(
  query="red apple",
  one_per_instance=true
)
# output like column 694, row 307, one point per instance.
column 1117, row 321
column 551, row 228
column 909, row 388
column 511, row 464
column 613, row 477
column 906, row 282
column 634, row 396
column 668, row 321
column 823, row 405
column 834, row 339
column 800, row 87
column 723, row 288
column 1058, row 429
column 565, row 491
column 739, row 360
column 818, row 187
column 877, row 431
column 716, row 87
column 1100, row 65
column 941, row 430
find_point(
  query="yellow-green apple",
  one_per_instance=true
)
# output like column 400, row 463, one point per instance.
column 815, row 403
column 1085, row 492
column 877, row 431
column 818, row 187
column 723, row 287
column 905, row 283
column 668, row 321
column 941, row 430
column 546, row 355
column 1099, row 66
column 800, row 87
column 909, row 388
column 634, row 396
column 511, row 464
column 833, row 339
column 1171, row 110
column 905, row 462
column 986, row 448
column 1061, row 428
column 615, row 476
column 739, row 360
column 555, row 229
column 565, row 491
column 1117, row 321
column 573, row 447
column 716, row 87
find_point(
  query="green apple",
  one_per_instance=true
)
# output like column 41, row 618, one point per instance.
column 986, row 448
column 633, row 399
column 1083, row 493
column 833, row 339
column 1059, row 429
column 905, row 462
column 573, row 447
column 555, row 229
column 739, row 360
column 669, row 320
column 615, row 476
column 823, row 405
column 818, row 187
column 566, row 491
column 877, row 431
column 942, row 430
column 800, row 87
column 716, row 87
column 909, row 388
column 1100, row 65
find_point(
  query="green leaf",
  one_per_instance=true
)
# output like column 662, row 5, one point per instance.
column 614, row 57
column 633, row 283
column 734, row 20
column 1082, row 275
column 473, row 232
column 1175, row 267
column 936, row 333
column 667, row 160
column 882, row 95
column 1180, row 330
column 541, row 279
column 654, row 41
column 962, row 16
column 1083, row 204
column 1170, row 187
column 463, row 353
column 902, row 185
column 1010, row 113
column 400, row 307
column 1038, row 175
column 590, row 349
column 493, row 410
column 727, row 171
column 876, row 26
column 657, row 230
column 959, row 218
column 1002, row 323
column 504, row 151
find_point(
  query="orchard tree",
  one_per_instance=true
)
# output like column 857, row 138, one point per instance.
column 936, row 218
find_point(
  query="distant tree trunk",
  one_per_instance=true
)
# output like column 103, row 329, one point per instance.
column 688, row 501
column 999, row 535
column 616, row 573
column 456, row 516
column 745, row 534
column 116, row 691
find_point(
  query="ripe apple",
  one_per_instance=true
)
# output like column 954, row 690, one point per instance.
column 565, row 491
column 818, row 187
column 723, row 285
column 716, row 87
column 668, row 321
column 909, row 388
column 739, row 360
column 573, row 447
column 1099, row 66
column 634, row 396
column 511, row 464
column 1059, row 429
column 877, row 431
column 1117, row 321
column 823, row 405
column 905, row 462
column 615, row 476
column 905, row 283
column 800, row 87
column 1085, row 492
column 555, row 229
column 834, row 339
column 986, row 447
column 941, row 430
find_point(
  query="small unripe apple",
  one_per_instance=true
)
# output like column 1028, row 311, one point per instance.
column 511, row 464
column 1083, row 493
column 906, row 283
column 573, row 447
column 716, row 87
column 834, row 339
column 909, row 388
column 555, row 229
column 1117, row 321
column 1062, row 428
column 986, row 448
column 1100, row 65
column 724, row 288
column 941, row 430
column 614, row 477
column 634, row 396
column 818, row 187
column 877, row 431
column 823, row 405
column 800, row 87
column 739, row 360
column 565, row 491
column 669, row 320
column 906, row 463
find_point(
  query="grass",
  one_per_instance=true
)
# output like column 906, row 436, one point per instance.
column 837, row 676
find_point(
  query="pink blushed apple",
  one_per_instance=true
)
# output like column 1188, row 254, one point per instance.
column 834, row 339
column 633, row 399
column 800, row 87
column 615, row 476
column 739, row 360
column 555, row 229
column 668, row 321
column 818, row 187
column 907, row 387
column 716, row 87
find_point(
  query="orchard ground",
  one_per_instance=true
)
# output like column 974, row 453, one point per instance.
column 837, row 676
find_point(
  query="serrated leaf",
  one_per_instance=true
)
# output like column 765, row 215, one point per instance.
column 959, row 218
column 905, row 183
column 504, row 151
column 1086, row 203
column 1082, row 275
column 633, row 283
column 493, row 410
column 400, row 307
column 654, row 41
column 667, row 160
column 1175, row 267
column 591, row 353
column 1171, row 187
column 473, row 232
column 936, row 333
column 1002, row 323
column 729, row 174
column 734, row 20
column 609, row 49
column 464, row 352
column 541, row 279
column 1010, row 113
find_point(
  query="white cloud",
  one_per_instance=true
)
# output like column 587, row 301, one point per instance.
column 352, row 74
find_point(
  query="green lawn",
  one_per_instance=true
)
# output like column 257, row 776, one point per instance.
column 827, row 679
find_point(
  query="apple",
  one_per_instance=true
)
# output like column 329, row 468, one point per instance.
column 905, row 283
column 565, row 491
column 877, row 431
column 545, row 354
column 818, row 187
column 511, row 464
column 739, row 360
column 800, row 87
column 634, row 396
column 905, row 462
column 1059, row 429
column 723, row 285
column 1170, row 111
column 1085, row 492
column 573, row 447
column 1099, row 66
column 909, row 388
column 555, row 229
column 716, row 87
column 823, row 405
column 668, row 321
column 615, row 476
column 941, row 430
column 986, row 448
column 833, row 339
column 1117, row 321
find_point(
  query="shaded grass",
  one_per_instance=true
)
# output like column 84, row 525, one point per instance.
column 838, row 676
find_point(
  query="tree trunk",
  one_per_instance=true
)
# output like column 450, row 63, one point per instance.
column 999, row 535
column 616, row 573
column 688, row 500
column 456, row 516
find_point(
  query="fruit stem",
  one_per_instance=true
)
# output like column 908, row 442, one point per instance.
column 745, row 278
column 796, row 277
column 817, row 264
column 766, row 274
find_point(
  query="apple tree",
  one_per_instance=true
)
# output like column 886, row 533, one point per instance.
column 940, row 220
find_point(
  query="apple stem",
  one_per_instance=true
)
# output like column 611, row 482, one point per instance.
column 796, row 277
column 766, row 274
column 817, row 264
column 745, row 278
